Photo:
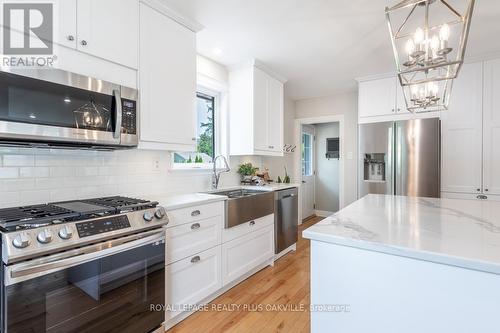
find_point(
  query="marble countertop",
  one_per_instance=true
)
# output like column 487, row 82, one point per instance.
column 178, row 201
column 463, row 233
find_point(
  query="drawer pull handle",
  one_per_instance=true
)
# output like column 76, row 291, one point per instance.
column 195, row 213
column 252, row 223
column 195, row 226
column 194, row 260
column 482, row 197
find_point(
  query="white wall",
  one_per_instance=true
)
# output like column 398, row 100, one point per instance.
column 327, row 170
column 30, row 176
column 342, row 104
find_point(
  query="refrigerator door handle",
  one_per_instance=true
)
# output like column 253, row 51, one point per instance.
column 390, row 160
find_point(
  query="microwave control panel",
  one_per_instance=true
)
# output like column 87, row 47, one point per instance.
column 92, row 228
column 129, row 118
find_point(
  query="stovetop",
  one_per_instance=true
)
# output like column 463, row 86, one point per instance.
column 35, row 216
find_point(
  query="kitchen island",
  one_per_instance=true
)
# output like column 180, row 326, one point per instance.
column 401, row 264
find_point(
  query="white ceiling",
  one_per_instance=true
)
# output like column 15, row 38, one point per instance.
column 321, row 46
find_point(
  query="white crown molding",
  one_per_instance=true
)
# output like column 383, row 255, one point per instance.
column 260, row 65
column 174, row 15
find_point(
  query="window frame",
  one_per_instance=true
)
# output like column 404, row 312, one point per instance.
column 217, row 96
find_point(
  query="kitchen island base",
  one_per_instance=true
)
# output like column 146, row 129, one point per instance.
column 355, row 290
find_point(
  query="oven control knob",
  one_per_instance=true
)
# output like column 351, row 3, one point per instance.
column 66, row 232
column 45, row 236
column 148, row 217
column 21, row 241
column 160, row 213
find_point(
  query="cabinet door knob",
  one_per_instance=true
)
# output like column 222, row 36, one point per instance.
column 195, row 226
column 83, row 42
column 486, row 190
column 195, row 259
column 479, row 190
column 195, row 213
column 193, row 139
column 71, row 38
column 252, row 223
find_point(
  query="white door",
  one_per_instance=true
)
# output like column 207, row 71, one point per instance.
column 67, row 23
column 377, row 97
column 108, row 29
column 491, row 135
column 308, row 173
column 167, row 81
column 461, row 134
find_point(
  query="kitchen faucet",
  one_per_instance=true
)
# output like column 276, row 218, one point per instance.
column 216, row 175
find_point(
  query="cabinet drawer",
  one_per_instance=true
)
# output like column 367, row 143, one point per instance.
column 241, row 255
column 195, row 213
column 190, row 280
column 245, row 228
column 187, row 239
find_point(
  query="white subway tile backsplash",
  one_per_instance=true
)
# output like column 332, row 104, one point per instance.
column 17, row 184
column 9, row 172
column 33, row 172
column 31, row 176
column 18, row 160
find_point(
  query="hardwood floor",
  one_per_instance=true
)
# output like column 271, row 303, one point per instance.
column 285, row 285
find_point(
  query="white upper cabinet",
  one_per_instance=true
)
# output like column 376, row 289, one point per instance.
column 377, row 97
column 67, row 23
column 167, row 83
column 104, row 29
column 382, row 99
column 461, row 133
column 491, row 135
column 257, row 112
column 108, row 29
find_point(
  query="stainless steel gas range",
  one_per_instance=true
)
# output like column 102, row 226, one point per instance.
column 93, row 265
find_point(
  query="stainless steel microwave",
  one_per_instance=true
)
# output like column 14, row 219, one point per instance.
column 56, row 108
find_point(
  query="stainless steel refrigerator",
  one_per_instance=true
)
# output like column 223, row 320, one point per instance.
column 401, row 158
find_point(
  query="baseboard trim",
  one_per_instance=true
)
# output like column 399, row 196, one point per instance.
column 323, row 213
column 285, row 251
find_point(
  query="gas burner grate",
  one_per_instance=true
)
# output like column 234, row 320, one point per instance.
column 123, row 203
column 27, row 213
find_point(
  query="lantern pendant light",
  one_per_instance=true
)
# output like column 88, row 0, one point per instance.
column 429, row 39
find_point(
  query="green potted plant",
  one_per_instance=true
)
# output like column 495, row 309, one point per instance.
column 247, row 170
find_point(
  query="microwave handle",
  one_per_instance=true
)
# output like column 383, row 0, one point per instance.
column 27, row 271
column 118, row 113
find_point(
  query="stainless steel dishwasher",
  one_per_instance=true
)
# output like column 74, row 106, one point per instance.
column 286, row 218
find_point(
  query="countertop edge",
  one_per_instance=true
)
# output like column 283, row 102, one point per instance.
column 210, row 198
column 434, row 257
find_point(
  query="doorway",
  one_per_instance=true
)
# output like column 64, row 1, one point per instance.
column 320, row 165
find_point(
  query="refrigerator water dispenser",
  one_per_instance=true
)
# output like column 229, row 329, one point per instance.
column 374, row 167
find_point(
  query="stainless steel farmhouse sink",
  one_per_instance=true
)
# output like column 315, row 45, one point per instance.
column 246, row 205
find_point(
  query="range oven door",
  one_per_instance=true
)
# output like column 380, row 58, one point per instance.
column 56, row 107
column 116, row 286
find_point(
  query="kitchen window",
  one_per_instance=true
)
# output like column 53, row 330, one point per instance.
column 207, row 132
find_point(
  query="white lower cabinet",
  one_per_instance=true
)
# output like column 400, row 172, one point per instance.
column 186, row 239
column 190, row 280
column 243, row 254
column 202, row 257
